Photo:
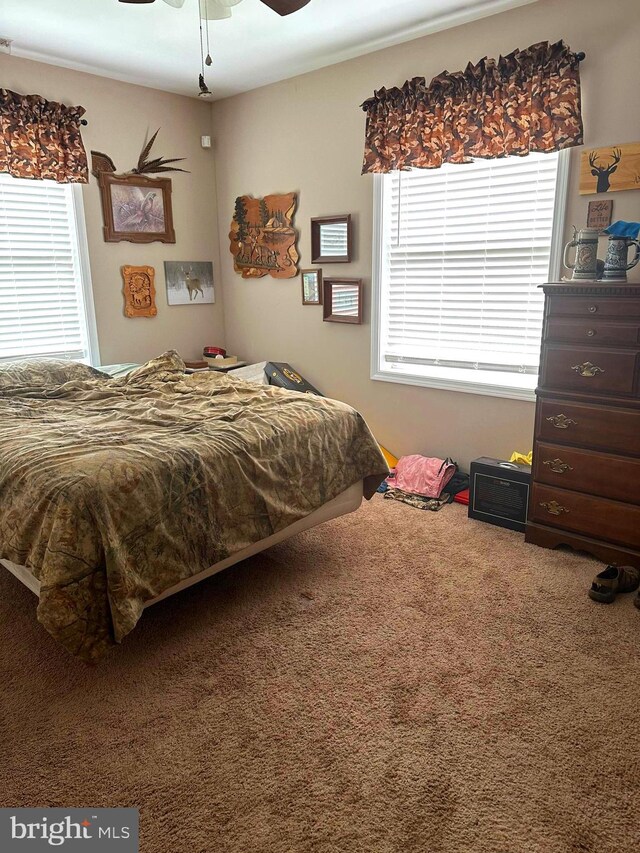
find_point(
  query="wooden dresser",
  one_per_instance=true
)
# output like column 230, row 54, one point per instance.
column 586, row 456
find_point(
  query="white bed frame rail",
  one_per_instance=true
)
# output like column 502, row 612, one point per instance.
column 346, row 502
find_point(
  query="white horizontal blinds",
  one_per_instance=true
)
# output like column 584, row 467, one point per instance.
column 344, row 300
column 41, row 301
column 333, row 239
column 465, row 248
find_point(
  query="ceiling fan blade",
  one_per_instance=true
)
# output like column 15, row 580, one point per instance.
column 137, row 1
column 285, row 7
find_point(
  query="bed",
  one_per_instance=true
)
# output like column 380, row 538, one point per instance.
column 116, row 493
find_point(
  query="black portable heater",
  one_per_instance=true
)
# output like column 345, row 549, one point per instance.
column 499, row 492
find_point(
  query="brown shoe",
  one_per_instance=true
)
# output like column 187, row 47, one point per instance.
column 612, row 580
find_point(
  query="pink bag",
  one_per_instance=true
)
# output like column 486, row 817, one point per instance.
column 422, row 475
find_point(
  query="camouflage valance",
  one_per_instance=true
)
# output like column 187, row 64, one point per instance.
column 41, row 139
column 526, row 101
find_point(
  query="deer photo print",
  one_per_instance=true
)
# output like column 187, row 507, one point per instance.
column 189, row 282
column 604, row 170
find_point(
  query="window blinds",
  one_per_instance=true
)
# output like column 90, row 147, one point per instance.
column 41, row 299
column 333, row 239
column 464, row 249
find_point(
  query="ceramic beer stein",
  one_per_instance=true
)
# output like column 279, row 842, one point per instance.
column 586, row 263
column 617, row 262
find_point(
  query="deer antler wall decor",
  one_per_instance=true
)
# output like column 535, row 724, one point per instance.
column 603, row 173
column 614, row 168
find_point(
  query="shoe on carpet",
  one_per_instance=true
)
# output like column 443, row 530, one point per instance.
column 612, row 580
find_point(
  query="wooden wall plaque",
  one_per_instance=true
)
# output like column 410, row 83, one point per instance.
column 610, row 169
column 599, row 213
column 262, row 237
column 139, row 291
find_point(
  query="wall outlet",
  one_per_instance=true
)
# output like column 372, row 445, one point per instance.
column 205, row 141
column 5, row 45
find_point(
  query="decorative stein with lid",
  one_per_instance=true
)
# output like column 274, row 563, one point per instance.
column 585, row 266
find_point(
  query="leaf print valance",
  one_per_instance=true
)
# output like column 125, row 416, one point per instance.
column 526, row 101
column 41, row 139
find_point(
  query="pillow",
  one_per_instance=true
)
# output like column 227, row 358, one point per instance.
column 45, row 371
column 164, row 367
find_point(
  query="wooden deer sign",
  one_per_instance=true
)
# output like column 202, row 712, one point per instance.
column 604, row 170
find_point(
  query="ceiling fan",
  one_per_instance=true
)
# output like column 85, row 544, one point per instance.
column 216, row 9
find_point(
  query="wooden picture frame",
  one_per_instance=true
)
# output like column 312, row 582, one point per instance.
column 136, row 208
column 338, row 300
column 310, row 288
column 139, row 291
column 317, row 224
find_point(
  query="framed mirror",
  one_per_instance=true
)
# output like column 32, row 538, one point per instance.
column 331, row 239
column 342, row 302
column 311, row 287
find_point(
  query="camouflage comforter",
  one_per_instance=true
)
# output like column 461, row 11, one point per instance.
column 114, row 490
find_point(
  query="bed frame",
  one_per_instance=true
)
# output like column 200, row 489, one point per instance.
column 348, row 501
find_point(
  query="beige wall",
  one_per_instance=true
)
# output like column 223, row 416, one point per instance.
column 306, row 134
column 120, row 116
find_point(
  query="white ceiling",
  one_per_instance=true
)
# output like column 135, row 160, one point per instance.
column 157, row 45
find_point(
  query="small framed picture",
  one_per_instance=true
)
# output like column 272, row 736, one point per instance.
column 189, row 282
column 311, row 287
column 599, row 214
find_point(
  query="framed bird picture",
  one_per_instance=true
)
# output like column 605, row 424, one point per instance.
column 136, row 208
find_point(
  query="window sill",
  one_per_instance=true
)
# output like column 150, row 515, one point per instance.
column 464, row 385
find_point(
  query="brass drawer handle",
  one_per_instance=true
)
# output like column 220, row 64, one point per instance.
column 561, row 421
column 593, row 309
column 554, row 508
column 558, row 466
column 587, row 369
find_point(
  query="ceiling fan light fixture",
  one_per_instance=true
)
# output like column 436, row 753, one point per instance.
column 229, row 3
column 213, row 10
column 286, row 7
column 177, row 4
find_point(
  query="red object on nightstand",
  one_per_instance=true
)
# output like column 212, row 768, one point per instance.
column 213, row 351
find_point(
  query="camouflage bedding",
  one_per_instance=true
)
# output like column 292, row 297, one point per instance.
column 114, row 490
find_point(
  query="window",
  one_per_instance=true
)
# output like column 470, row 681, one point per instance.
column 46, row 307
column 459, row 254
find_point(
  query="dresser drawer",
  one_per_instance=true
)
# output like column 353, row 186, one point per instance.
column 596, row 517
column 601, row 427
column 592, row 331
column 587, row 471
column 593, row 306
column 589, row 370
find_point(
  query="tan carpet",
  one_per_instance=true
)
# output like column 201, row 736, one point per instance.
column 392, row 681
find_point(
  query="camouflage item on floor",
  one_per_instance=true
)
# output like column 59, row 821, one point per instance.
column 418, row 501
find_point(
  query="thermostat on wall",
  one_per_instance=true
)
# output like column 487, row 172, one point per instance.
column 205, row 141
